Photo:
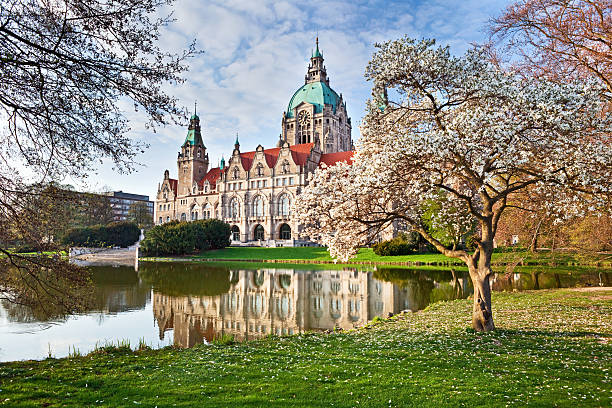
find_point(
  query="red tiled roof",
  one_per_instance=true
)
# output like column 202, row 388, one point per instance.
column 174, row 185
column 299, row 153
column 212, row 176
column 332, row 158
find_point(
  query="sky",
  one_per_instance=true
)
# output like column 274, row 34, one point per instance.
column 256, row 54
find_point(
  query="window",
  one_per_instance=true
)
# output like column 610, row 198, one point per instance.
column 236, row 173
column 161, row 220
column 183, row 217
column 160, row 207
column 235, row 233
column 283, row 205
column 258, row 233
column 264, row 183
column 252, row 184
column 260, row 170
column 206, row 211
column 285, row 232
column 239, row 186
column 258, row 207
column 168, row 219
column 258, row 183
column 234, row 208
column 284, row 182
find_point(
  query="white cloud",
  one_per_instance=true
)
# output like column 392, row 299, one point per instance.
column 256, row 54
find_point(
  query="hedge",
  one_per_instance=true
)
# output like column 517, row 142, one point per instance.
column 179, row 238
column 121, row 233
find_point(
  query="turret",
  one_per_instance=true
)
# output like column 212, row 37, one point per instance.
column 316, row 69
column 192, row 160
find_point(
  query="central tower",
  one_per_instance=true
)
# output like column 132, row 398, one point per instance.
column 316, row 113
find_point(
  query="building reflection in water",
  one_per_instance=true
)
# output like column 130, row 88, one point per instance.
column 286, row 301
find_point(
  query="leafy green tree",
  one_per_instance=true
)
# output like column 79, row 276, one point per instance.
column 448, row 222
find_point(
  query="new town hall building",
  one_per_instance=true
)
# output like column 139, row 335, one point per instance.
column 253, row 191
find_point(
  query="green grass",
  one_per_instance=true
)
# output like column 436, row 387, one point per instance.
column 552, row 348
column 319, row 254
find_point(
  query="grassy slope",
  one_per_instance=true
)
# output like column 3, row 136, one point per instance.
column 367, row 254
column 551, row 348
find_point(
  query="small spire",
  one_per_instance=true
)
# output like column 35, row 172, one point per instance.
column 222, row 164
column 237, row 143
column 195, row 107
column 317, row 53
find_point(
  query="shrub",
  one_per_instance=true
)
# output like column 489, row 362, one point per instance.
column 402, row 244
column 179, row 238
column 121, row 233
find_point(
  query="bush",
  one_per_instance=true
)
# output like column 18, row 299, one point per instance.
column 179, row 238
column 402, row 244
column 121, row 233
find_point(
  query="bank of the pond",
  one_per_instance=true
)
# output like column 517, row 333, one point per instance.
column 552, row 348
column 366, row 256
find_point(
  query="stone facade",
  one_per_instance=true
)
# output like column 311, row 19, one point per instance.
column 254, row 190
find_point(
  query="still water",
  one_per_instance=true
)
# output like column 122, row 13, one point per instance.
column 187, row 304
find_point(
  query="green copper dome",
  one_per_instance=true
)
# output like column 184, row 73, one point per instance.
column 317, row 93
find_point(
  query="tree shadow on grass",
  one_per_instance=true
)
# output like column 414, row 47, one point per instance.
column 547, row 333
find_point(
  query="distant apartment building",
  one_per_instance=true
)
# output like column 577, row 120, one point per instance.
column 121, row 203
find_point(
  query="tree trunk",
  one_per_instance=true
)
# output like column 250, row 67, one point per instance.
column 482, row 316
column 534, row 239
column 480, row 271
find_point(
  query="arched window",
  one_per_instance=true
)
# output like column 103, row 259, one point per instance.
column 260, row 170
column 168, row 219
column 206, row 184
column 258, row 233
column 258, row 207
column 206, row 211
column 194, row 213
column 235, row 233
column 283, row 205
column 183, row 217
column 161, row 220
column 234, row 208
column 285, row 232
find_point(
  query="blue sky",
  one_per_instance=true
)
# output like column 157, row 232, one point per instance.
column 255, row 57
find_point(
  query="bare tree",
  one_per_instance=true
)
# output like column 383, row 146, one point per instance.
column 558, row 39
column 67, row 67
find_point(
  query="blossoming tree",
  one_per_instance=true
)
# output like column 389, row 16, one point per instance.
column 458, row 125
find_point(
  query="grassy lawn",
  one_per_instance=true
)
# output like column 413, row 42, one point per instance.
column 368, row 255
column 552, row 348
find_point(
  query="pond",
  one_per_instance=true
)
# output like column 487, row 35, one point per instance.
column 185, row 304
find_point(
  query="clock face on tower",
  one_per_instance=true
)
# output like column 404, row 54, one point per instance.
column 304, row 117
